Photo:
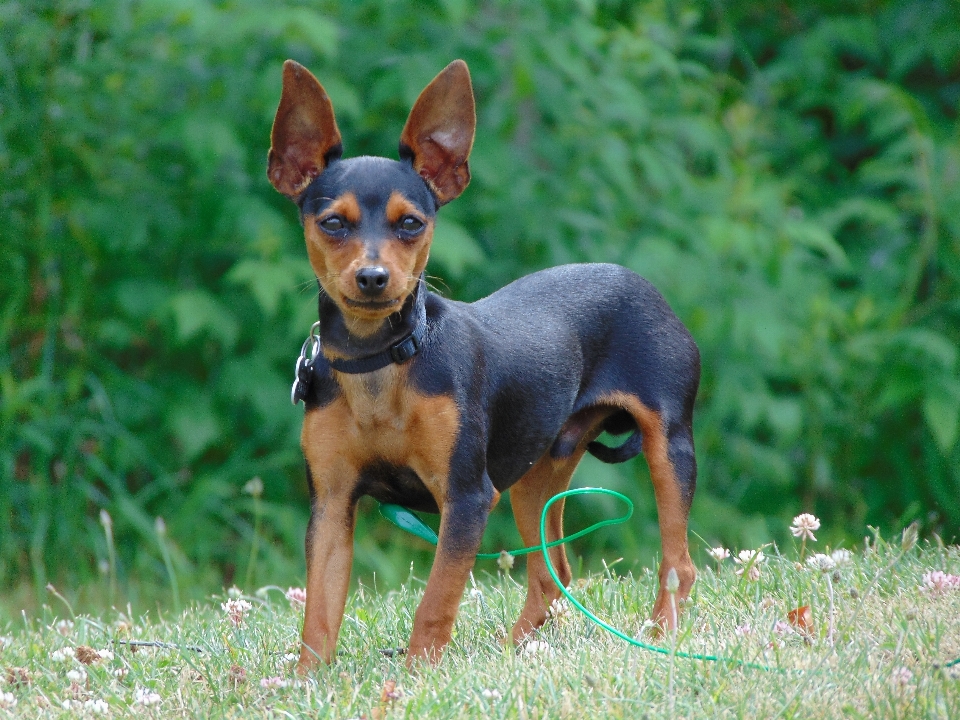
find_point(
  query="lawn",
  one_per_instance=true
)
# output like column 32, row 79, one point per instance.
column 884, row 651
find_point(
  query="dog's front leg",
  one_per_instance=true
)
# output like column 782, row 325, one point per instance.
column 329, row 547
column 463, row 520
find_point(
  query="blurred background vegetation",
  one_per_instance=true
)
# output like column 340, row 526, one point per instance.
column 787, row 173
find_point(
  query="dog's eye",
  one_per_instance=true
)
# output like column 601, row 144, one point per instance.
column 411, row 224
column 332, row 224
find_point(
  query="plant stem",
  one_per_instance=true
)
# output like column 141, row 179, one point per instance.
column 830, row 617
column 672, row 582
column 168, row 561
column 107, row 523
column 255, row 543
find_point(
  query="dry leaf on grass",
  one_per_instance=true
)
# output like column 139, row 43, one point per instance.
column 802, row 619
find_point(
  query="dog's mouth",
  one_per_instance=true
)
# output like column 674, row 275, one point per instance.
column 372, row 304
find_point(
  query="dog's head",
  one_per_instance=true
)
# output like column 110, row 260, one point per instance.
column 369, row 221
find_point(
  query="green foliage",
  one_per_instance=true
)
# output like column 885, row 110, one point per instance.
column 788, row 177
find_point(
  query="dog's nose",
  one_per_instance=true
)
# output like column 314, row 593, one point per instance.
column 372, row 281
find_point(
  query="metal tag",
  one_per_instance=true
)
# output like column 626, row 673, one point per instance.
column 302, row 373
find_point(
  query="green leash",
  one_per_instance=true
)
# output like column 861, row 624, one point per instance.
column 606, row 626
column 406, row 520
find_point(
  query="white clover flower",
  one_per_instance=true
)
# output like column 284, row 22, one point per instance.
column 804, row 525
column 782, row 627
column 64, row 627
column 297, row 597
column 821, row 562
column 558, row 608
column 841, row 556
column 718, row 553
column 63, row 654
column 491, row 694
column 7, row 700
column 273, row 682
column 254, row 487
column 537, row 647
column 96, row 707
column 142, row 696
column 901, row 676
column 78, row 676
column 750, row 560
column 505, row 561
column 745, row 557
column 743, row 630
column 940, row 582
column 235, row 610
column 105, row 654
column 752, row 573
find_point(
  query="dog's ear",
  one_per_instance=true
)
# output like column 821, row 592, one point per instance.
column 305, row 138
column 439, row 132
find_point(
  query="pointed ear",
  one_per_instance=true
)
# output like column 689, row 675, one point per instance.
column 439, row 132
column 304, row 139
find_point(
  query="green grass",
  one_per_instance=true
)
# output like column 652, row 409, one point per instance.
column 890, row 636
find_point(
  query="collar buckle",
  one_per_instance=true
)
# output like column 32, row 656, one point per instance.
column 405, row 349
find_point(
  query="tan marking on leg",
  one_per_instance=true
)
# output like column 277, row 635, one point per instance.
column 329, row 559
column 456, row 553
column 528, row 496
column 437, row 612
column 330, row 544
column 672, row 511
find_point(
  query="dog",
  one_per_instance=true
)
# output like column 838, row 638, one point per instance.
column 441, row 406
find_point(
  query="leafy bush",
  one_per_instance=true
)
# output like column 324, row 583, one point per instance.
column 791, row 186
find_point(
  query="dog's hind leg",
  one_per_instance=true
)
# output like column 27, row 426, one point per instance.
column 668, row 449
column 545, row 479
column 673, row 469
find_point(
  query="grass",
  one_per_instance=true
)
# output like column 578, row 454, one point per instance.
column 890, row 640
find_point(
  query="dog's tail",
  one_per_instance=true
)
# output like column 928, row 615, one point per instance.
column 630, row 449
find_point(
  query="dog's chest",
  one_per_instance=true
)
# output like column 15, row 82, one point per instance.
column 379, row 420
column 383, row 413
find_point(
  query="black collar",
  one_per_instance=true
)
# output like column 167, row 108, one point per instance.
column 399, row 352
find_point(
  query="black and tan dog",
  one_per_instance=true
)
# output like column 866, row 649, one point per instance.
column 440, row 405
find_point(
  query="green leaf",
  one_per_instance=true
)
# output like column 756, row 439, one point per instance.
column 195, row 311
column 270, row 282
column 454, row 247
column 194, row 424
column 941, row 410
column 813, row 237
